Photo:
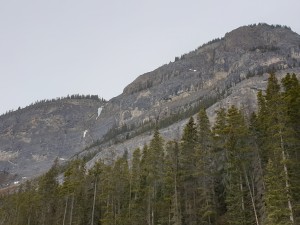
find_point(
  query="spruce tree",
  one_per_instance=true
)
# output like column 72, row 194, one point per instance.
column 172, row 196
column 48, row 193
column 278, row 140
column 275, row 197
column 237, row 196
column 205, row 171
column 188, row 171
column 219, row 138
column 291, row 97
column 136, row 213
column 156, row 181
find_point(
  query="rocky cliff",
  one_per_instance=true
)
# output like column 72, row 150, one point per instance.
column 31, row 138
column 206, row 73
column 225, row 71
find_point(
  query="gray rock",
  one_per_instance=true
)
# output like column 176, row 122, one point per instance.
column 31, row 138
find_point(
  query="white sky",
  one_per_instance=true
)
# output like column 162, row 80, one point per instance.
column 54, row 48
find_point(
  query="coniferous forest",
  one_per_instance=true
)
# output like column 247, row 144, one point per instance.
column 239, row 171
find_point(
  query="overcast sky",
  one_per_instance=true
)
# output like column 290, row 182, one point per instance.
column 54, row 48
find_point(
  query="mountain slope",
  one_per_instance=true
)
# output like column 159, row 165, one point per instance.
column 243, row 96
column 30, row 139
column 206, row 73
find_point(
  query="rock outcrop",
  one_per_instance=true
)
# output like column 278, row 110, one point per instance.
column 31, row 138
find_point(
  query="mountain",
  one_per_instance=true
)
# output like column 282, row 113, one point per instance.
column 222, row 72
column 206, row 73
column 227, row 70
column 33, row 137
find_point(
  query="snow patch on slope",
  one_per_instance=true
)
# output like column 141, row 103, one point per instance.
column 84, row 133
column 99, row 111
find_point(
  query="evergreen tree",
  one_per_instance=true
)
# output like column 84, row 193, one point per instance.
column 48, row 192
column 120, row 195
column 205, row 171
column 74, row 190
column 291, row 98
column 277, row 142
column 219, row 138
column 172, row 196
column 136, row 212
column 155, row 178
column 275, row 197
column 237, row 197
column 188, row 170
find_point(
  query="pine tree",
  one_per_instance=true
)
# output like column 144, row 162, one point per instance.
column 275, row 197
column 106, row 196
column 205, row 171
column 172, row 196
column 136, row 213
column 256, row 171
column 120, row 192
column 237, row 197
column 187, row 165
column 155, row 178
column 74, row 190
column 93, row 179
column 145, row 191
column 278, row 138
column 48, row 192
column 291, row 97
column 219, row 138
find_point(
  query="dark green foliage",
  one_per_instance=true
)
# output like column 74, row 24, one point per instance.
column 276, row 199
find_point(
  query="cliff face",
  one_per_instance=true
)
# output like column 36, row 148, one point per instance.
column 31, row 138
column 227, row 71
column 207, row 72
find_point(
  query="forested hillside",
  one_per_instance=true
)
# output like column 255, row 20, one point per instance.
column 240, row 171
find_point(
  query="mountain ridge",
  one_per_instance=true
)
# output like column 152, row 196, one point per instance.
column 202, row 77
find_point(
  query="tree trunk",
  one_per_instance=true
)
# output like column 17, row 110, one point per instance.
column 252, row 197
column 94, row 200
column 129, row 206
column 72, row 206
column 28, row 220
column 242, row 191
column 65, row 213
column 287, row 185
column 209, row 219
column 149, row 211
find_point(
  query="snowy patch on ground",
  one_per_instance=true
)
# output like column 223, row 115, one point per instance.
column 84, row 133
column 99, row 111
column 62, row 159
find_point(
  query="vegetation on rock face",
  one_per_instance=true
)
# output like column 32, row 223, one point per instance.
column 242, row 171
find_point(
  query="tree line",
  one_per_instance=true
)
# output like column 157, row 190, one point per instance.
column 240, row 171
column 75, row 96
